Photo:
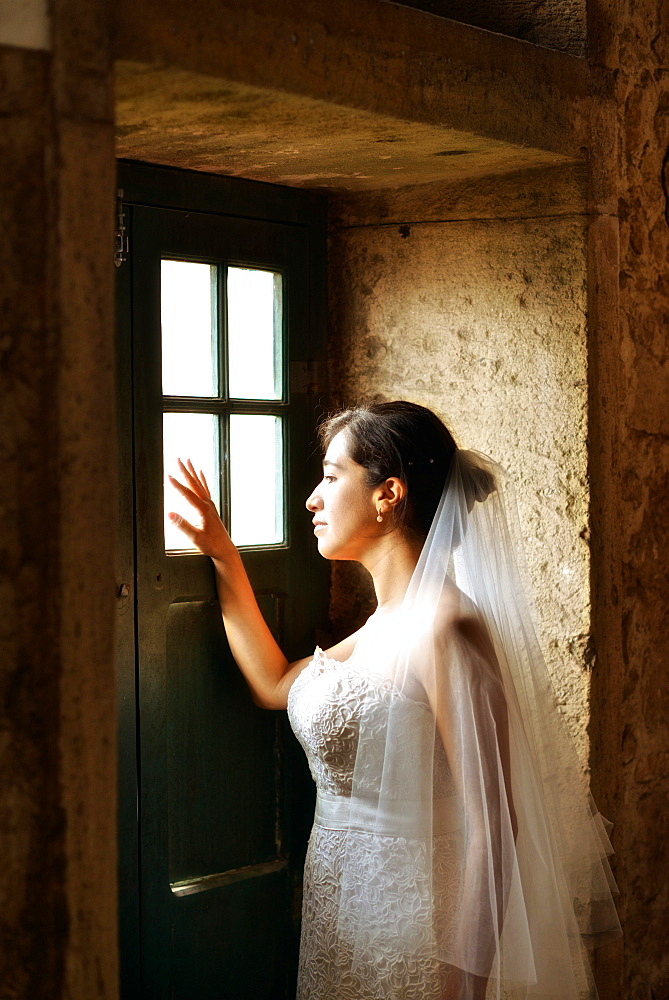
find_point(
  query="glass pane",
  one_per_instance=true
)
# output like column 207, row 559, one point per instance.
column 254, row 333
column 188, row 319
column 194, row 436
column 256, row 479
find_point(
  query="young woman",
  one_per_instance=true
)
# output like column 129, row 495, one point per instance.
column 456, row 853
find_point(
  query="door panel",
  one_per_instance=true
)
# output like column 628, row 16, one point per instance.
column 206, row 694
column 223, row 798
column 206, row 951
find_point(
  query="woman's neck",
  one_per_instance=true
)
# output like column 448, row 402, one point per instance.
column 391, row 565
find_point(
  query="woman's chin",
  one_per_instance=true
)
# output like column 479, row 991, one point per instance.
column 329, row 550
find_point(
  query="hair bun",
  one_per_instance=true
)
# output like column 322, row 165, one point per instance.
column 479, row 481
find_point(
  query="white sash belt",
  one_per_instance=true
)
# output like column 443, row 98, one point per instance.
column 400, row 818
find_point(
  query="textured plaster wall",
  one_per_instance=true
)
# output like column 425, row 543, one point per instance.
column 630, row 470
column 483, row 319
column 57, row 504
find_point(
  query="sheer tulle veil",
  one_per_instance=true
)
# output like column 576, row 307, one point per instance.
column 487, row 852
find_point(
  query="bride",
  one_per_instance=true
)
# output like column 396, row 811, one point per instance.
column 456, row 852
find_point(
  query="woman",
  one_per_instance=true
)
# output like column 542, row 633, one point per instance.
column 456, row 853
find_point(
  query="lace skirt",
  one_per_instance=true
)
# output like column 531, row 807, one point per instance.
column 325, row 971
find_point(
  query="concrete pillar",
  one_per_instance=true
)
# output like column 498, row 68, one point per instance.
column 629, row 463
column 57, row 712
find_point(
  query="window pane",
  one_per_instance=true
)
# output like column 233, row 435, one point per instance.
column 188, row 319
column 194, row 436
column 256, row 479
column 254, row 333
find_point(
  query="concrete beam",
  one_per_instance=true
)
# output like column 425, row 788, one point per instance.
column 183, row 119
column 374, row 57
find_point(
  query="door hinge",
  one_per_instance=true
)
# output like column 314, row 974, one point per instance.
column 121, row 243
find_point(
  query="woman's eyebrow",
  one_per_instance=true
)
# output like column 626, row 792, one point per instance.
column 333, row 465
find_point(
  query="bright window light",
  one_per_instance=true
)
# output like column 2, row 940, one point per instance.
column 194, row 436
column 256, row 479
column 254, row 333
column 188, row 319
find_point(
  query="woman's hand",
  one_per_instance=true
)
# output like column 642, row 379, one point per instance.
column 210, row 536
column 267, row 672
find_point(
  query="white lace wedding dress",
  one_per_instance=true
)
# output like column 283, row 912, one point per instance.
column 330, row 703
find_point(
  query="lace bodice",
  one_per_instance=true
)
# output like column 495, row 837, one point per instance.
column 326, row 703
column 330, row 701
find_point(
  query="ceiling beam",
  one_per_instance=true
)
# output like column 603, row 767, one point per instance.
column 372, row 56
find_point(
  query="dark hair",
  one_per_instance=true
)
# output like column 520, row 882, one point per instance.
column 399, row 439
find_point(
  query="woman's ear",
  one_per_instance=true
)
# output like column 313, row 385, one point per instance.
column 391, row 493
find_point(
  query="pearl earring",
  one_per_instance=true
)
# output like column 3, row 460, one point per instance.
column 379, row 516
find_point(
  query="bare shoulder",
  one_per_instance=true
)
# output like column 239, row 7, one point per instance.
column 452, row 613
column 458, row 623
column 282, row 690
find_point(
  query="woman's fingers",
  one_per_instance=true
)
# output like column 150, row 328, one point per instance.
column 198, row 482
column 181, row 522
column 210, row 536
column 192, row 472
column 204, row 482
column 200, row 503
column 190, row 475
column 199, row 478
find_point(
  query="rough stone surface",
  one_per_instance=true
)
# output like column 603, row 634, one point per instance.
column 32, row 905
column 630, row 472
column 484, row 321
column 82, row 300
column 86, row 454
column 558, row 24
column 184, row 119
column 518, row 194
column 378, row 57
column 57, row 705
column 57, row 910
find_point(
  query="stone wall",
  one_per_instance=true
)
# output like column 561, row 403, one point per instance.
column 57, row 703
column 557, row 24
column 32, row 905
column 630, row 473
column 485, row 278
column 480, row 315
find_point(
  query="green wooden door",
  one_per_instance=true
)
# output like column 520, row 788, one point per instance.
column 223, row 803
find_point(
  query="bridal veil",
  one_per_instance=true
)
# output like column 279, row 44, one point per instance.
column 487, row 852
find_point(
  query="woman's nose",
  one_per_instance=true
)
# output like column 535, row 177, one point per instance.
column 314, row 502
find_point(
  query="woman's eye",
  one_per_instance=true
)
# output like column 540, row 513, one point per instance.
column 329, row 479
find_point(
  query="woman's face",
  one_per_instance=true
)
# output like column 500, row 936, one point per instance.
column 344, row 507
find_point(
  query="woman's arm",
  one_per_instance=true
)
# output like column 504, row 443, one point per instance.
column 268, row 673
